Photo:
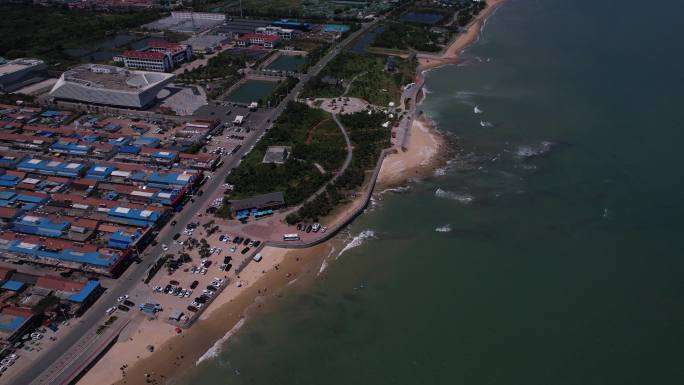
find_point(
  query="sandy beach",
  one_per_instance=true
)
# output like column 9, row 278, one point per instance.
column 227, row 309
column 451, row 54
column 426, row 150
column 130, row 360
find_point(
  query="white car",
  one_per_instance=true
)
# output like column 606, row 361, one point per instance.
column 111, row 310
column 195, row 304
column 36, row 336
column 165, row 247
column 7, row 362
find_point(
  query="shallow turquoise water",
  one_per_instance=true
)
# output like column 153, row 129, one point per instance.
column 562, row 263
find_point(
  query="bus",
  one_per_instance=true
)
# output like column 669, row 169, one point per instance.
column 290, row 237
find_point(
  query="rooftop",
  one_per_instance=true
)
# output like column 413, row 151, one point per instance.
column 110, row 77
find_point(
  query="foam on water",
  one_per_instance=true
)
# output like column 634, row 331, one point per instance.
column 486, row 124
column 358, row 241
column 459, row 197
column 477, row 110
column 532, row 150
column 397, row 190
column 214, row 351
column 444, row 229
column 324, row 264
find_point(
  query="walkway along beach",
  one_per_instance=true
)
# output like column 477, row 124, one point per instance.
column 130, row 361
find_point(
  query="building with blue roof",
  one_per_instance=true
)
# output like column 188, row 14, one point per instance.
column 284, row 23
column 173, row 180
column 29, row 224
column 9, row 180
column 86, row 293
column 99, row 172
column 89, row 138
column 165, row 156
column 12, row 285
column 51, row 167
column 10, row 160
column 91, row 258
column 11, row 323
column 119, row 141
column 133, row 216
column 124, row 149
column 71, row 148
column 122, row 240
column 147, row 141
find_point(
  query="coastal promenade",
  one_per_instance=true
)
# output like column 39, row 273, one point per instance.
column 40, row 371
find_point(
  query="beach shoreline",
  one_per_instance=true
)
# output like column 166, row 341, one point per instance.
column 452, row 54
column 129, row 361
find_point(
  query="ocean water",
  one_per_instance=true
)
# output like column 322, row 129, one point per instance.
column 549, row 251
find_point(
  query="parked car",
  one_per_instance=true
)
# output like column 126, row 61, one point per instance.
column 123, row 308
column 245, row 250
column 128, row 303
column 192, row 309
column 194, row 284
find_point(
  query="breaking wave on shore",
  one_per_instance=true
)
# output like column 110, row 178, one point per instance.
column 215, row 350
column 357, row 241
column 444, row 229
column 396, row 190
column 459, row 197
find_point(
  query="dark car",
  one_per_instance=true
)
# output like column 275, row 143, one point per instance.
column 123, row 308
column 257, row 243
column 246, row 242
column 207, row 264
column 128, row 303
column 194, row 284
column 201, row 300
column 200, row 192
column 173, row 223
column 228, row 266
column 167, row 289
column 300, row 226
column 227, row 259
column 175, row 283
column 245, row 250
column 192, row 309
column 211, row 288
column 308, row 228
column 176, row 236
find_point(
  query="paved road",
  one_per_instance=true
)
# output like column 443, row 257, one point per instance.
column 39, row 371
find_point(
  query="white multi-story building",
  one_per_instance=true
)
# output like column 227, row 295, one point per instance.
column 266, row 41
column 160, row 56
column 109, row 85
column 198, row 15
column 283, row 33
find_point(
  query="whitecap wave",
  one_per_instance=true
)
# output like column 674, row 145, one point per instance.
column 533, row 150
column 357, row 241
column 214, row 351
column 486, row 124
column 444, row 229
column 477, row 110
column 397, row 190
column 459, row 197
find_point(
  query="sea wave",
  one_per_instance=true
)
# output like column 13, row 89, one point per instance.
column 477, row 110
column 397, row 190
column 459, row 197
column 358, row 241
column 486, row 124
column 214, row 351
column 533, row 150
column 444, row 229
column 324, row 264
